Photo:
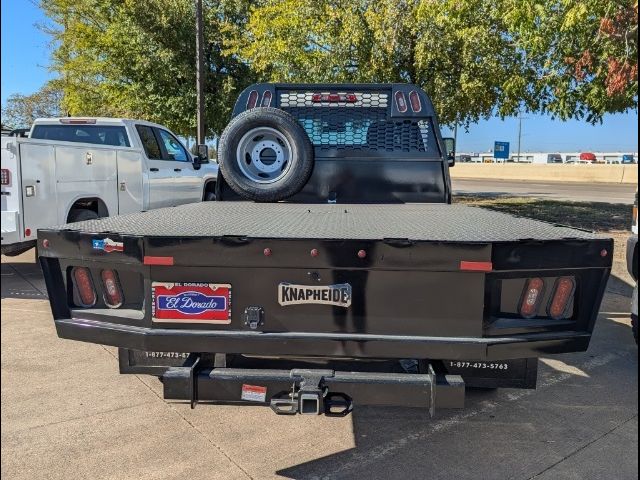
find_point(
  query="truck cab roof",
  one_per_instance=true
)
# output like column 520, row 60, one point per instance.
column 92, row 121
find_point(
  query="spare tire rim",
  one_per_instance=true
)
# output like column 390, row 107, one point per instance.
column 264, row 155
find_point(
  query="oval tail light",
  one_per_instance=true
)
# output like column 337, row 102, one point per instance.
column 252, row 100
column 266, row 99
column 562, row 295
column 531, row 297
column 111, row 288
column 414, row 100
column 401, row 102
column 83, row 285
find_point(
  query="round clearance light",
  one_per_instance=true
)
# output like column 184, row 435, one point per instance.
column 362, row 253
column 314, row 252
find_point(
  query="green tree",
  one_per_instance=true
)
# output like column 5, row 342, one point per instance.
column 581, row 55
column 137, row 59
column 476, row 58
column 21, row 110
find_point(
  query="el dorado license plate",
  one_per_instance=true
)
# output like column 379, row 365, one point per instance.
column 191, row 302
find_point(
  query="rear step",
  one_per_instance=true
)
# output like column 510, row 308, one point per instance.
column 310, row 391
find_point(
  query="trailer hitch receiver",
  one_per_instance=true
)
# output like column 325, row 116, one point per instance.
column 310, row 396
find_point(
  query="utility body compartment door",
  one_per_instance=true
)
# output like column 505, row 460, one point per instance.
column 39, row 196
column 130, row 181
column 85, row 172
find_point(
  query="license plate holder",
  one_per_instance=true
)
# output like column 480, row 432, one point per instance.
column 193, row 302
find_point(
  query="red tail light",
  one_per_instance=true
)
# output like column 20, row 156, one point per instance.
column 6, row 176
column 334, row 97
column 414, row 100
column 562, row 295
column 401, row 102
column 111, row 288
column 531, row 297
column 83, row 285
column 253, row 99
column 266, row 99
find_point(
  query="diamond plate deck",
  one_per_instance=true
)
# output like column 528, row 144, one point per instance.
column 419, row 222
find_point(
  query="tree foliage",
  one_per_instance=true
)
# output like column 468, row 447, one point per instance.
column 476, row 58
column 21, row 110
column 569, row 58
column 127, row 58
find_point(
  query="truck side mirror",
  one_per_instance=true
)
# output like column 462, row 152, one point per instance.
column 201, row 157
column 203, row 153
column 450, row 147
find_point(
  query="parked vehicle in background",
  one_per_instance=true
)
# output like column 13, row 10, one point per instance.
column 331, row 271
column 629, row 159
column 538, row 157
column 588, row 157
column 632, row 266
column 72, row 169
column 463, row 158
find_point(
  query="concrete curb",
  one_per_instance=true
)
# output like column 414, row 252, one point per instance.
column 627, row 174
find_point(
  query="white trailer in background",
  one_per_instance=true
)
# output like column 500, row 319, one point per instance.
column 538, row 157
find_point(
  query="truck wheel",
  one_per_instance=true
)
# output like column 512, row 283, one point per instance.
column 81, row 214
column 265, row 155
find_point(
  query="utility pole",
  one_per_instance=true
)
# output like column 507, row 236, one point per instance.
column 199, row 73
column 519, row 132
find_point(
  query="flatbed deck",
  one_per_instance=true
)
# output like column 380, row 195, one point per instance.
column 415, row 222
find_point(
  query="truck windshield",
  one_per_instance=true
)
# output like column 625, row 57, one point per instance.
column 96, row 134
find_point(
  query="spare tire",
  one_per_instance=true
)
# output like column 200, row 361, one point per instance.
column 265, row 155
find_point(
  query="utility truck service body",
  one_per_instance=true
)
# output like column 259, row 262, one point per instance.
column 348, row 279
column 72, row 169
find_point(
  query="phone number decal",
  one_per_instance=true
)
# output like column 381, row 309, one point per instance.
column 480, row 365
column 166, row 355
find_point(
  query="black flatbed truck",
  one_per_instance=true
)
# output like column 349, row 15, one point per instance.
column 338, row 295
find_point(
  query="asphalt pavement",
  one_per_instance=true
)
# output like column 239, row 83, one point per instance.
column 68, row 414
column 577, row 192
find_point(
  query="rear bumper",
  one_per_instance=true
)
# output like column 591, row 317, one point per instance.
column 313, row 389
column 322, row 344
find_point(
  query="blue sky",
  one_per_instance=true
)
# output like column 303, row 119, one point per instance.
column 25, row 57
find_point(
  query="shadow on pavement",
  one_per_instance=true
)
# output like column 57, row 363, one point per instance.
column 22, row 280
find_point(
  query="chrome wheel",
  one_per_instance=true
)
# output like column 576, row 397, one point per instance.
column 263, row 155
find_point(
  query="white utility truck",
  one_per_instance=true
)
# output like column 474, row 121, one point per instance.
column 72, row 169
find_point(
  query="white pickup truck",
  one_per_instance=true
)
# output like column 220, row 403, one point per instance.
column 72, row 169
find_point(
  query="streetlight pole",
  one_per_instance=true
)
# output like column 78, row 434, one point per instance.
column 519, row 133
column 199, row 73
